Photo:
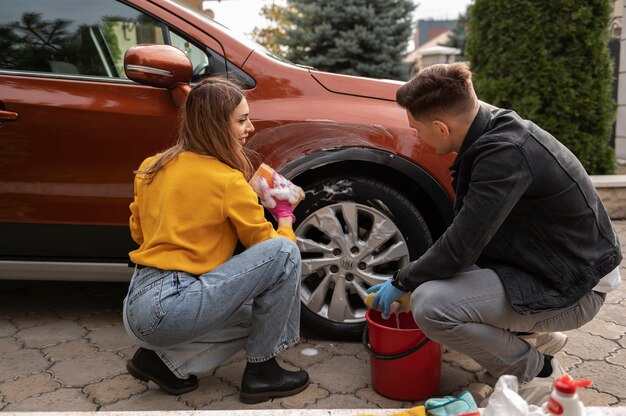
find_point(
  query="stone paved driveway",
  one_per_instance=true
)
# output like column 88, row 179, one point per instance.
column 63, row 348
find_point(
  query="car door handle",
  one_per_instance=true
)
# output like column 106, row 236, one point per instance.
column 8, row 115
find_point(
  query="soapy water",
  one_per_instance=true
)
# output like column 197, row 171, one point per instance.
column 309, row 352
column 397, row 320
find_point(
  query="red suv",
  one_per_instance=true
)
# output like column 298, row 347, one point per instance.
column 79, row 111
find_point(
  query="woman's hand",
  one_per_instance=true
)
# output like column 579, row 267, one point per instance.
column 282, row 209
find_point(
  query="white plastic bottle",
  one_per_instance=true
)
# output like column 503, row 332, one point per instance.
column 564, row 399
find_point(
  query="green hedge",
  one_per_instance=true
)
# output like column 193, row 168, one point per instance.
column 549, row 61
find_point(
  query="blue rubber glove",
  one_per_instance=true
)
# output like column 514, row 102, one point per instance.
column 386, row 294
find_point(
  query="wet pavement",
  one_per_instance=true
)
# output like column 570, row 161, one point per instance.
column 63, row 348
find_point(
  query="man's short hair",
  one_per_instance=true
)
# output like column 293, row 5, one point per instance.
column 438, row 90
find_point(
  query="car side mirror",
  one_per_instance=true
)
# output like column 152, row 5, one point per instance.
column 160, row 66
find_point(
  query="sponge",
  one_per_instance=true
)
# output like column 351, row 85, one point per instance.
column 403, row 303
column 285, row 189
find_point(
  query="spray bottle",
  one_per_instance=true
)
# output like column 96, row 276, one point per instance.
column 564, row 399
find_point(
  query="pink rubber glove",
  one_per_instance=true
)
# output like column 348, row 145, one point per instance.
column 282, row 209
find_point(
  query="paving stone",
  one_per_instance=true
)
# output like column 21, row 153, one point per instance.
column 461, row 360
column 81, row 305
column 237, row 357
column 75, row 311
column 339, row 348
column 287, row 365
column 231, row 372
column 618, row 357
column 340, row 374
column 106, row 318
column 342, row 401
column 115, row 388
column 210, row 389
column 615, row 313
column 606, row 377
column 363, row 356
column 309, row 396
column 604, row 329
column 598, row 351
column 27, row 386
column 22, row 362
column 69, row 350
column 591, row 397
column 622, row 342
column 480, row 391
column 295, row 357
column 453, row 378
column 32, row 320
column 89, row 293
column 88, row 369
column 617, row 295
column 9, row 344
column 151, row 399
column 381, row 401
column 110, row 338
column 567, row 361
column 589, row 347
column 7, row 329
column 50, row 333
column 19, row 311
column 232, row 402
column 59, row 400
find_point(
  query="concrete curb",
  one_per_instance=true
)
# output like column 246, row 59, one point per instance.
column 612, row 191
column 591, row 411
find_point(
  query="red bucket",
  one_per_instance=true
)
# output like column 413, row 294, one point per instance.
column 405, row 365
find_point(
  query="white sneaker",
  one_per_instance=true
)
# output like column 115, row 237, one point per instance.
column 485, row 377
column 548, row 343
column 537, row 390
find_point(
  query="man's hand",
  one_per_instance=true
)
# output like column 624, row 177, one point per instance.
column 386, row 294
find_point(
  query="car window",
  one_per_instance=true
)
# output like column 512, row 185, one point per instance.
column 78, row 37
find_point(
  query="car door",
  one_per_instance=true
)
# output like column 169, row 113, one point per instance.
column 73, row 127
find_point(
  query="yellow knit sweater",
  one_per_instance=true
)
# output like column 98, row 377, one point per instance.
column 191, row 215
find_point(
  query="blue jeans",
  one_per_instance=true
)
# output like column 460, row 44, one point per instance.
column 471, row 314
column 194, row 323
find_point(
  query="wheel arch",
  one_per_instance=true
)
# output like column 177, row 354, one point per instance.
column 415, row 183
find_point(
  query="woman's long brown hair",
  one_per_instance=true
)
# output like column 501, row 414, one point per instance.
column 205, row 127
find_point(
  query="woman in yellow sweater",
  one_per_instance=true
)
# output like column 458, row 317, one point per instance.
column 191, row 304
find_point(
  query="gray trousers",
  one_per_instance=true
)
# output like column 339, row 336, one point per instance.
column 471, row 314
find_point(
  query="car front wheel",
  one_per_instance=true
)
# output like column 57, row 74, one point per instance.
column 353, row 233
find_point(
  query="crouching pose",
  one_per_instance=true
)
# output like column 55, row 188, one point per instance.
column 191, row 304
column 531, row 250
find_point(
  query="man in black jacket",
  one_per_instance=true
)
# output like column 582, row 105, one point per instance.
column 531, row 248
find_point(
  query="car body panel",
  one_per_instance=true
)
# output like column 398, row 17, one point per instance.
column 69, row 143
column 361, row 86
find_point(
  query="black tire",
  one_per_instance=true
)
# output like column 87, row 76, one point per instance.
column 353, row 233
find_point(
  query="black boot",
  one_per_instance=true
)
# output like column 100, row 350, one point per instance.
column 266, row 380
column 146, row 365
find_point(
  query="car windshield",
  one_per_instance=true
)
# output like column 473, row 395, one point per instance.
column 240, row 37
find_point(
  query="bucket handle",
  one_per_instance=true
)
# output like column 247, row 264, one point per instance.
column 391, row 356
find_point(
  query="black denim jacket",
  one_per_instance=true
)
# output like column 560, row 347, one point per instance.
column 526, row 208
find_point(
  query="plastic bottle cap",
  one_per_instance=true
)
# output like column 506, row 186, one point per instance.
column 567, row 385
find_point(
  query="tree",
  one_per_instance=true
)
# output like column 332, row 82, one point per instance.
column 355, row 37
column 271, row 36
column 458, row 38
column 32, row 42
column 549, row 61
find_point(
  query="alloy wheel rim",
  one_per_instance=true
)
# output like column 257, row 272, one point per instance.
column 346, row 248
